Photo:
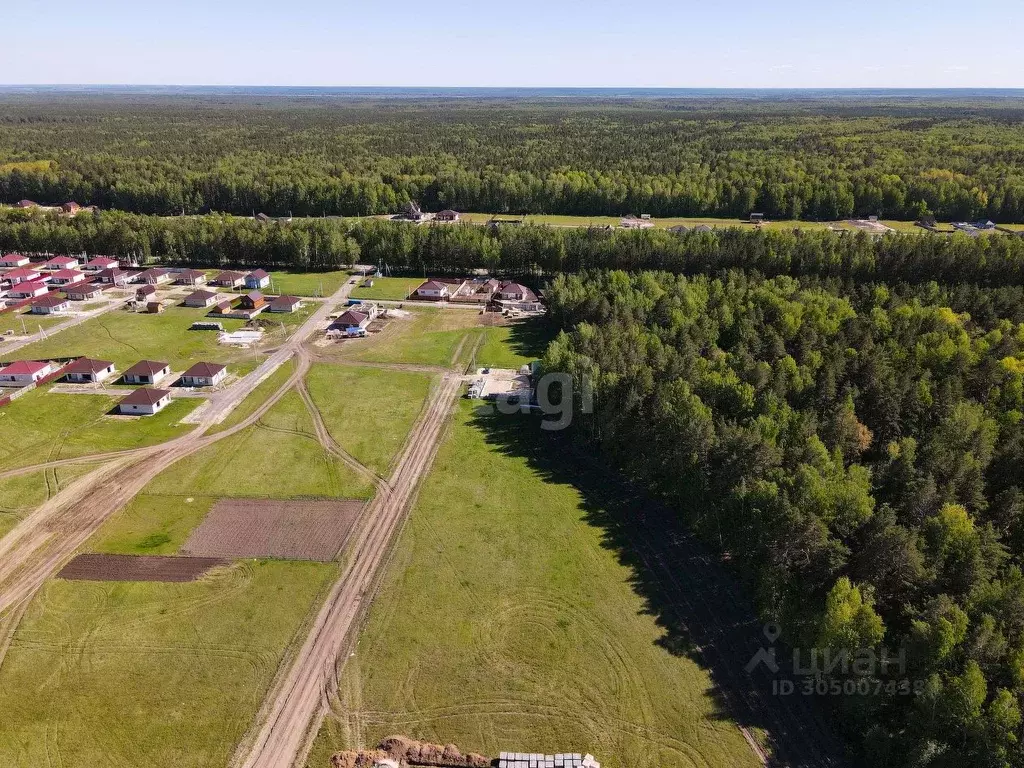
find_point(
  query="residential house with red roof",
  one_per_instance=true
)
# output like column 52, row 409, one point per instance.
column 201, row 299
column 284, row 304
column 190, row 277
column 24, row 372
column 13, row 260
column 351, row 323
column 83, row 291
column 22, row 275
column 257, row 280
column 66, row 277
column 229, row 279
column 99, row 263
column 433, row 290
column 156, row 276
column 61, row 262
column 28, row 290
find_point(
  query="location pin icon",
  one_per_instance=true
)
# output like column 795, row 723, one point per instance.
column 772, row 631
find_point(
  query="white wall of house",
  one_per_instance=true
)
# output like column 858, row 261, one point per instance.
column 147, row 410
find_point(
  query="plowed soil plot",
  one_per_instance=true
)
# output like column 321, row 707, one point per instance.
column 134, row 568
column 295, row 530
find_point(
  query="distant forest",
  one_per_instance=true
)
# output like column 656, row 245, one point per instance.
column 349, row 156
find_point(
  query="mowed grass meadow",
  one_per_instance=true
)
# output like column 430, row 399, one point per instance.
column 386, row 288
column 426, row 336
column 505, row 623
column 307, row 283
column 45, row 426
column 146, row 674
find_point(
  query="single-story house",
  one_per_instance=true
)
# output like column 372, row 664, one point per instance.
column 83, row 291
column 26, row 204
column 99, row 263
column 114, row 276
column 28, row 290
column 147, row 372
column 447, row 215
column 24, row 372
column 515, row 292
column 144, row 292
column 632, row 222
column 253, row 300
column 432, row 289
column 84, row 370
column 190, row 277
column 203, row 375
column 61, row 262
column 351, row 323
column 230, row 279
column 48, row 305
column 145, row 402
column 201, row 299
column 257, row 279
column 70, row 207
column 22, row 275
column 285, row 304
column 154, row 307
column 66, row 277
column 156, row 276
column 12, row 260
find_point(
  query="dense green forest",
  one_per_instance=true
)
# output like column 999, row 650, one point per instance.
column 857, row 448
column 313, row 156
column 528, row 252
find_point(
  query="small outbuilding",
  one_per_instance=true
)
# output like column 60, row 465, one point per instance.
column 145, row 402
column 253, row 300
column 87, row 371
column 203, row 375
column 147, row 372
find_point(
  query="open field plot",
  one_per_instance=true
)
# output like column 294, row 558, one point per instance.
column 23, row 321
column 510, row 346
column 43, row 426
column 368, row 411
column 426, row 336
column 279, row 457
column 506, row 623
column 384, row 288
column 127, row 337
column 264, row 528
column 99, row 567
column 144, row 673
column 151, row 524
column 307, row 283
column 20, row 494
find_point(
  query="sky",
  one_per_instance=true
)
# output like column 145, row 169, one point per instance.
column 565, row 43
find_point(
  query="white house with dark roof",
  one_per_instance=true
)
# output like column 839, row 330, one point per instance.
column 147, row 372
column 87, row 371
column 145, row 402
column 49, row 305
column 284, row 304
column 351, row 323
column 190, row 277
column 203, row 375
column 433, row 290
column 201, row 299
column 83, row 292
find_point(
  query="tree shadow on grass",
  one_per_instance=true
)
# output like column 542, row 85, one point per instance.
column 530, row 337
column 697, row 604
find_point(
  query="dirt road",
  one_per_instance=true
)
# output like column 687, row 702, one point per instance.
column 296, row 705
column 41, row 543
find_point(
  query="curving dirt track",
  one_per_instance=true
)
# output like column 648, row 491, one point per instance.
column 295, row 707
column 40, row 544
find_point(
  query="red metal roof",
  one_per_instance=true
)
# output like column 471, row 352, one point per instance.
column 32, row 285
column 70, row 274
column 230, row 276
column 286, row 301
column 201, row 296
column 259, row 274
column 62, row 260
column 351, row 318
column 24, row 367
column 49, row 301
column 432, row 285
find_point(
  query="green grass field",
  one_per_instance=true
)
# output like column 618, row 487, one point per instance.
column 127, row 337
column 44, row 426
column 393, row 288
column 307, row 283
column 510, row 346
column 21, row 494
column 151, row 525
column 427, row 336
column 145, row 674
column 368, row 411
column 279, row 457
column 505, row 623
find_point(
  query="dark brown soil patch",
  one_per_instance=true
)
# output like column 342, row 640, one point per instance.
column 291, row 530
column 98, row 567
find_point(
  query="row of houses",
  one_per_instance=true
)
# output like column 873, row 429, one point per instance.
column 479, row 290
column 89, row 371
